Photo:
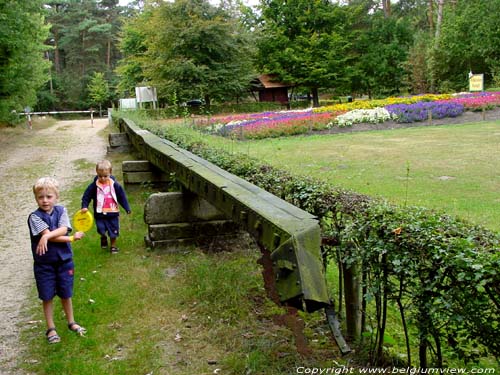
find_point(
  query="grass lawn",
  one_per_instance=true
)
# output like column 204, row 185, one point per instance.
column 454, row 168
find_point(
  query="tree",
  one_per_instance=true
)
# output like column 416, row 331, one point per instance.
column 196, row 50
column 133, row 48
column 304, row 42
column 98, row 90
column 23, row 69
column 468, row 41
column 84, row 40
column 383, row 51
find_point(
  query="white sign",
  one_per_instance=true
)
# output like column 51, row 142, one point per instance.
column 128, row 103
column 145, row 94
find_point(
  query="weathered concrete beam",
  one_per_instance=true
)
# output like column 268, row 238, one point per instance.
column 289, row 233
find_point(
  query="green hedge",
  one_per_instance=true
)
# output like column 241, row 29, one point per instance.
column 440, row 273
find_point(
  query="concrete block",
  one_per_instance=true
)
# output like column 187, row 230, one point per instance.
column 179, row 207
column 174, row 231
column 125, row 149
column 142, row 177
column 137, row 166
column 208, row 243
column 118, row 139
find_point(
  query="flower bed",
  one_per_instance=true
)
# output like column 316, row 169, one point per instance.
column 420, row 111
column 401, row 109
column 357, row 116
column 268, row 124
column 478, row 101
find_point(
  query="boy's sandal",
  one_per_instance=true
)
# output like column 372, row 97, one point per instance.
column 114, row 250
column 54, row 338
column 77, row 328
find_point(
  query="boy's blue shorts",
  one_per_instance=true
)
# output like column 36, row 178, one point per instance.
column 54, row 279
column 109, row 225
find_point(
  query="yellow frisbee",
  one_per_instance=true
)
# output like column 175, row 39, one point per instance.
column 83, row 221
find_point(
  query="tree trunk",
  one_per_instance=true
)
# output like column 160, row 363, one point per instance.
column 386, row 5
column 439, row 18
column 430, row 16
column 57, row 58
column 315, row 96
column 108, row 55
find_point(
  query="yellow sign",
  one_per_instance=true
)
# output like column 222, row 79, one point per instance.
column 476, row 82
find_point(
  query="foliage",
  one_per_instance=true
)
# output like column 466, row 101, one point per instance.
column 98, row 90
column 23, row 69
column 83, row 40
column 304, row 42
column 465, row 46
column 383, row 50
column 423, row 260
column 196, row 50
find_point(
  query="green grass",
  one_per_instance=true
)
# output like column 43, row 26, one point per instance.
column 452, row 168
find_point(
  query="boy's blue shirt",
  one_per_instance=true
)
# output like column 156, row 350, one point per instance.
column 56, row 251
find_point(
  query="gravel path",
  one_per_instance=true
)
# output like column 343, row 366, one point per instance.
column 40, row 152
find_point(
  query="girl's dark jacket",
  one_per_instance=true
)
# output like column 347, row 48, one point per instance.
column 90, row 194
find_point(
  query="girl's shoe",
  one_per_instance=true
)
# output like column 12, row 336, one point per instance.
column 77, row 328
column 54, row 338
column 114, row 250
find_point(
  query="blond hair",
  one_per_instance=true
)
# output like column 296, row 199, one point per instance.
column 103, row 165
column 46, row 183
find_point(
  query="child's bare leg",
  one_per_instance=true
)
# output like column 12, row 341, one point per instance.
column 112, row 241
column 48, row 311
column 68, row 309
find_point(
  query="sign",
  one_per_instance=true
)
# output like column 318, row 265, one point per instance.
column 145, row 94
column 128, row 103
column 476, row 82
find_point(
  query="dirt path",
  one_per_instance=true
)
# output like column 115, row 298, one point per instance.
column 24, row 157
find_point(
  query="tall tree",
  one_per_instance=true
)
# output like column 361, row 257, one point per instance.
column 98, row 90
column 304, row 42
column 383, row 51
column 84, row 37
column 468, row 41
column 23, row 68
column 196, row 50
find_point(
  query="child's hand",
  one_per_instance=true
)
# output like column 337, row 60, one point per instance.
column 78, row 236
column 42, row 245
column 129, row 212
column 84, row 210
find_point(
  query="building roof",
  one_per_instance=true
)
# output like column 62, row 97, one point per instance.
column 269, row 81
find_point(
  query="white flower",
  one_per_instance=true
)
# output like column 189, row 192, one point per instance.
column 358, row 116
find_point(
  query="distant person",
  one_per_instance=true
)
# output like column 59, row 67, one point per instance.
column 107, row 195
column 49, row 229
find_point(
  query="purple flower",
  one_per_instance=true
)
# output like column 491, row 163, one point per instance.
column 420, row 111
